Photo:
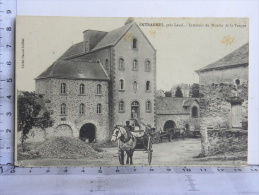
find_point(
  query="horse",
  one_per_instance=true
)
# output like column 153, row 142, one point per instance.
column 126, row 142
column 179, row 132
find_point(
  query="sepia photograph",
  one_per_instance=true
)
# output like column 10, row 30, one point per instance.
column 131, row 91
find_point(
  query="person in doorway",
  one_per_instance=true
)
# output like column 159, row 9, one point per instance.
column 134, row 114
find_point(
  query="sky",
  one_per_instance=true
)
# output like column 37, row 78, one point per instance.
column 183, row 44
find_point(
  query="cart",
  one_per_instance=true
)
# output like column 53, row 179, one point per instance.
column 144, row 143
column 144, row 139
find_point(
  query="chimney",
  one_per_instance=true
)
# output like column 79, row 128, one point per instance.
column 129, row 20
column 92, row 38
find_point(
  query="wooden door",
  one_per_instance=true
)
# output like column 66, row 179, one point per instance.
column 236, row 115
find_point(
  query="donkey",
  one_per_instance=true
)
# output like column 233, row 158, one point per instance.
column 126, row 142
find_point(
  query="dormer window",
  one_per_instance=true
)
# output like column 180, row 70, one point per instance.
column 134, row 43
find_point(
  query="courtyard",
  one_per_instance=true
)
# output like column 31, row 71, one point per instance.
column 181, row 152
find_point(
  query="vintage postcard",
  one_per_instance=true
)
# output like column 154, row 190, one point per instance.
column 131, row 91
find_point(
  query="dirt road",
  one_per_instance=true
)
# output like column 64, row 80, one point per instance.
column 168, row 153
column 174, row 153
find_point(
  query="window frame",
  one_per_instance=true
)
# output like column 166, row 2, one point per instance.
column 99, row 89
column 135, row 82
column 82, row 109
column 135, row 65
column 63, row 88
column 81, row 89
column 99, row 109
column 107, row 64
column 149, row 67
column 148, row 105
column 121, row 66
column 121, row 84
column 134, row 43
column 148, row 83
column 121, row 109
column 63, row 109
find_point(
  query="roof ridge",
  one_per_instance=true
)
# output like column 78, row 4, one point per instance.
column 109, row 33
column 230, row 62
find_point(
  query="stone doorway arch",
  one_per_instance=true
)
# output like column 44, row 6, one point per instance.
column 88, row 132
column 169, row 125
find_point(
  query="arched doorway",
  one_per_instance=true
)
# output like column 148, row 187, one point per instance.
column 169, row 125
column 135, row 109
column 88, row 131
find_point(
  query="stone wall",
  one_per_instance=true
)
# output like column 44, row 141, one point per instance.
column 228, row 75
column 215, row 106
column 73, row 99
column 180, row 121
column 224, row 141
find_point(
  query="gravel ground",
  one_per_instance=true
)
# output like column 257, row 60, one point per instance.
column 181, row 153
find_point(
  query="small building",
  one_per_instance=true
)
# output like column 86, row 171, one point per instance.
column 231, row 69
column 177, row 113
column 185, row 88
column 224, row 89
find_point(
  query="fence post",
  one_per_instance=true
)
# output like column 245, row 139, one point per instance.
column 204, row 140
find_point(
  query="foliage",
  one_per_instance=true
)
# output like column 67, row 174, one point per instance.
column 168, row 94
column 195, row 90
column 178, row 92
column 29, row 115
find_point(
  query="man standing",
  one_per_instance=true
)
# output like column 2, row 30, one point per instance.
column 128, row 126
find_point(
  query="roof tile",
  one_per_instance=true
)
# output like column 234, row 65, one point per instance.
column 238, row 57
column 68, row 69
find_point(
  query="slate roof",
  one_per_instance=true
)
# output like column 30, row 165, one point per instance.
column 110, row 39
column 174, row 106
column 238, row 57
column 68, row 69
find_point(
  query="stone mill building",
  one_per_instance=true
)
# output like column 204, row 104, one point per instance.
column 105, row 80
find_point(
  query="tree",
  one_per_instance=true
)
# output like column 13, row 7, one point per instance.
column 168, row 94
column 178, row 92
column 29, row 114
column 195, row 90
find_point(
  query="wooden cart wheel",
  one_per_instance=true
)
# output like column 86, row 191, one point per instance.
column 149, row 150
